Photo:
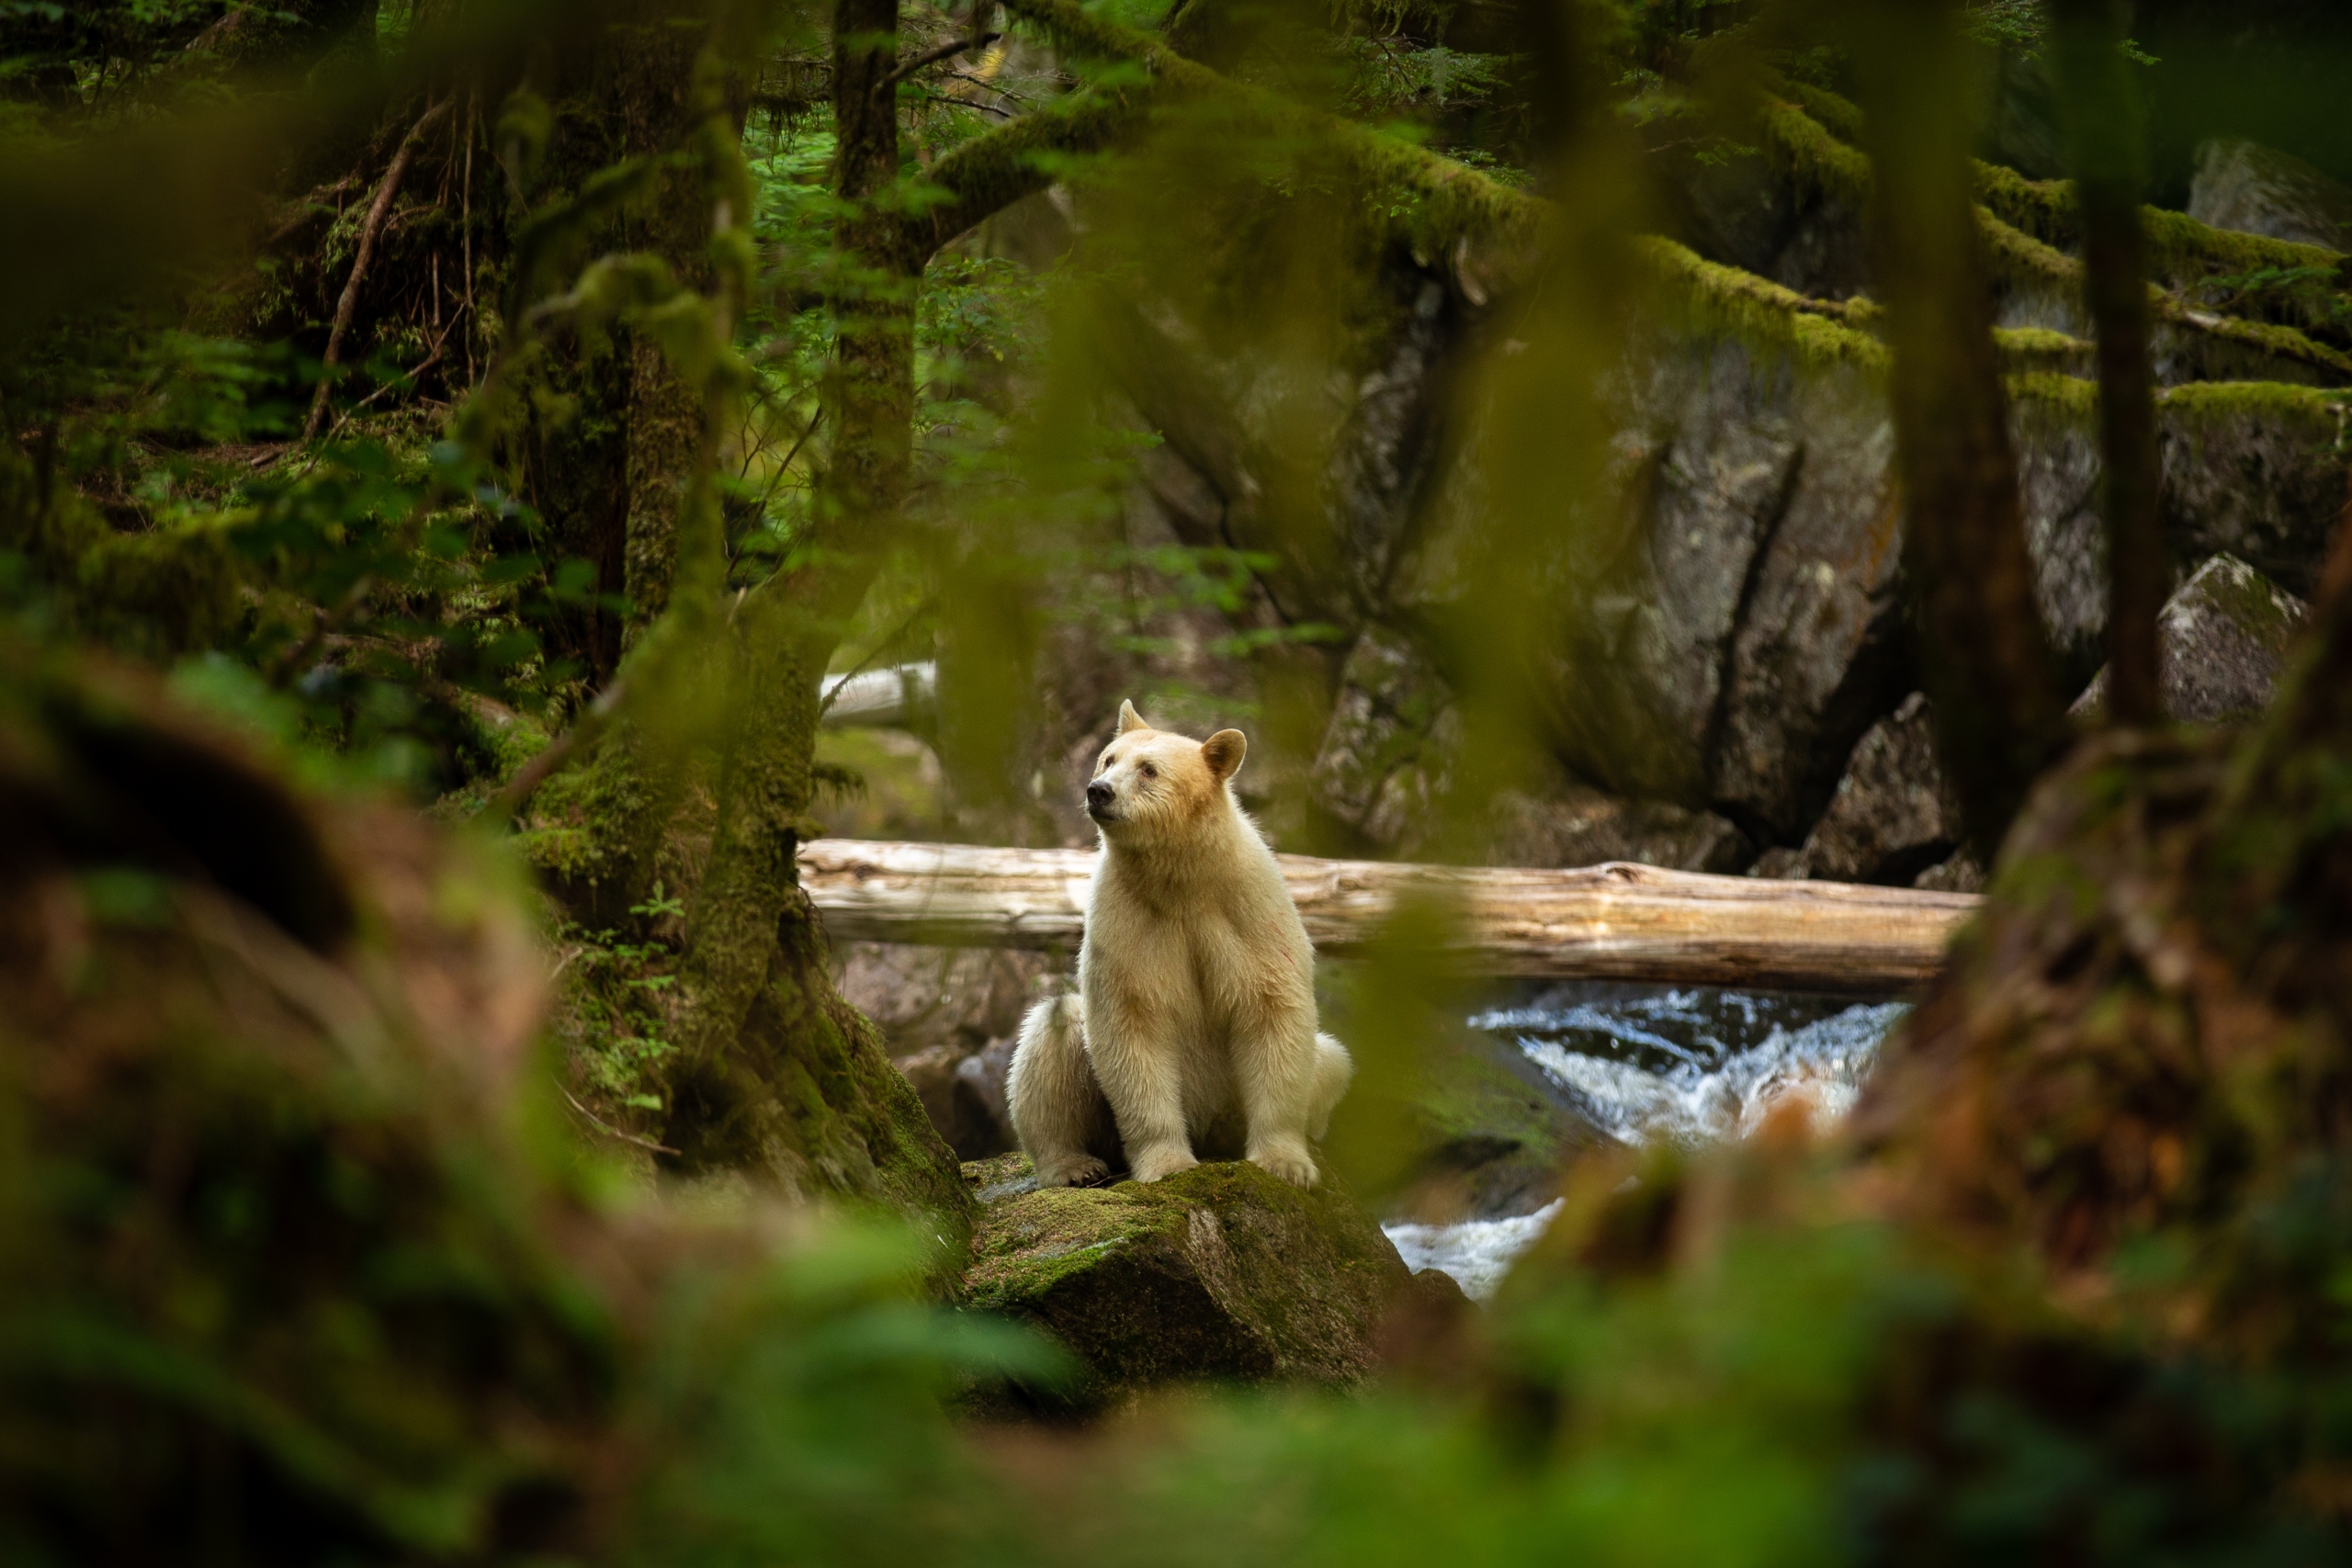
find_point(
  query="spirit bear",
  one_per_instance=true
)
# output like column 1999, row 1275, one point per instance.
column 1193, row 1027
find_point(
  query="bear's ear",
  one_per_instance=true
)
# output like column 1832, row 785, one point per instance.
column 1223, row 752
column 1130, row 719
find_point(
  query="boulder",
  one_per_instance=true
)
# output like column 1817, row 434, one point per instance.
column 1961, row 873
column 1895, row 813
column 2221, row 642
column 2252, row 471
column 981, row 1079
column 957, row 1101
column 1727, row 604
column 2249, row 470
column 2255, row 190
column 1220, row 1273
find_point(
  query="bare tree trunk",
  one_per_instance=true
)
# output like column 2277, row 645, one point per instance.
column 1998, row 712
column 2105, row 125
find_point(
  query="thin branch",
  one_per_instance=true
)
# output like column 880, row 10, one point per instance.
column 347, row 306
column 607, row 1128
column 558, row 753
column 947, row 50
column 410, row 376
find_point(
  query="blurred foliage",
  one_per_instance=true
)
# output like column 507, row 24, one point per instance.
column 318, row 1249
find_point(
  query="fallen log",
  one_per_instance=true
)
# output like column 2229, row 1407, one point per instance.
column 1602, row 923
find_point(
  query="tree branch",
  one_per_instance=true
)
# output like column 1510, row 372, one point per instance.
column 947, row 50
column 349, row 304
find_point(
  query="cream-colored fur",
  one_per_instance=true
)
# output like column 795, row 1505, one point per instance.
column 1194, row 1026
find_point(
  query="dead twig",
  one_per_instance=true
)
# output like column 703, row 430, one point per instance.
column 347, row 306
column 608, row 1129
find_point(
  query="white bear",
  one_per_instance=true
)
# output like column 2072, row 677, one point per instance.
column 1194, row 1025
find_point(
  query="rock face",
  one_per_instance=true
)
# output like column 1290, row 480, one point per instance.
column 2258, row 190
column 2221, row 641
column 1387, row 758
column 1218, row 1272
column 1738, row 625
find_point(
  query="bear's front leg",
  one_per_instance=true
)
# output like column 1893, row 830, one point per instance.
column 1138, row 1069
column 1276, row 1064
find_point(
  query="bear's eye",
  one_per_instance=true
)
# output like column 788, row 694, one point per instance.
column 1148, row 772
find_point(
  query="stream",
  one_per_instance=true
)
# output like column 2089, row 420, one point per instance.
column 1644, row 1065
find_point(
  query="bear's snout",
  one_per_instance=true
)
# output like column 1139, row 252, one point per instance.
column 1098, row 795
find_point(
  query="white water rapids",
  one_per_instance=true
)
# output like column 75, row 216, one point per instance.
column 1647, row 1067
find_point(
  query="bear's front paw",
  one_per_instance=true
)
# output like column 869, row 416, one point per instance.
column 1289, row 1161
column 1074, row 1170
column 1164, row 1159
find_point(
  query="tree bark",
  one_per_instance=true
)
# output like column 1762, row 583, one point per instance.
column 2105, row 125
column 1989, row 667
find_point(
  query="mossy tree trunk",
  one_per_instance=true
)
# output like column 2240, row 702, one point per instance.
column 774, row 1072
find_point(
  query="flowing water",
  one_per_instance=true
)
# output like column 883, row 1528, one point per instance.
column 1647, row 1065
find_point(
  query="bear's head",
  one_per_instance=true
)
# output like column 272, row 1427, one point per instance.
column 1150, row 784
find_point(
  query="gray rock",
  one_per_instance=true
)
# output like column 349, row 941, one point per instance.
column 1819, row 649
column 981, row 1078
column 2253, row 472
column 1961, row 874
column 1731, row 629
column 1781, row 863
column 2059, row 472
column 2258, row 190
column 1744, row 211
column 1387, row 760
column 2221, row 641
column 1895, row 813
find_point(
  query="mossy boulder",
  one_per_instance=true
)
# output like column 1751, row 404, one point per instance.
column 2220, row 643
column 1221, row 1272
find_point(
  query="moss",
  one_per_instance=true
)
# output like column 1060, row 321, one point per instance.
column 580, row 828
column 2020, row 220
column 1800, row 145
column 1837, row 115
column 2027, row 349
column 1724, row 302
column 2253, row 605
column 2264, row 337
column 2054, row 399
column 2320, row 410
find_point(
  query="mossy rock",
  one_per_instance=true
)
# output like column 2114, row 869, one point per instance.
column 1221, row 1272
